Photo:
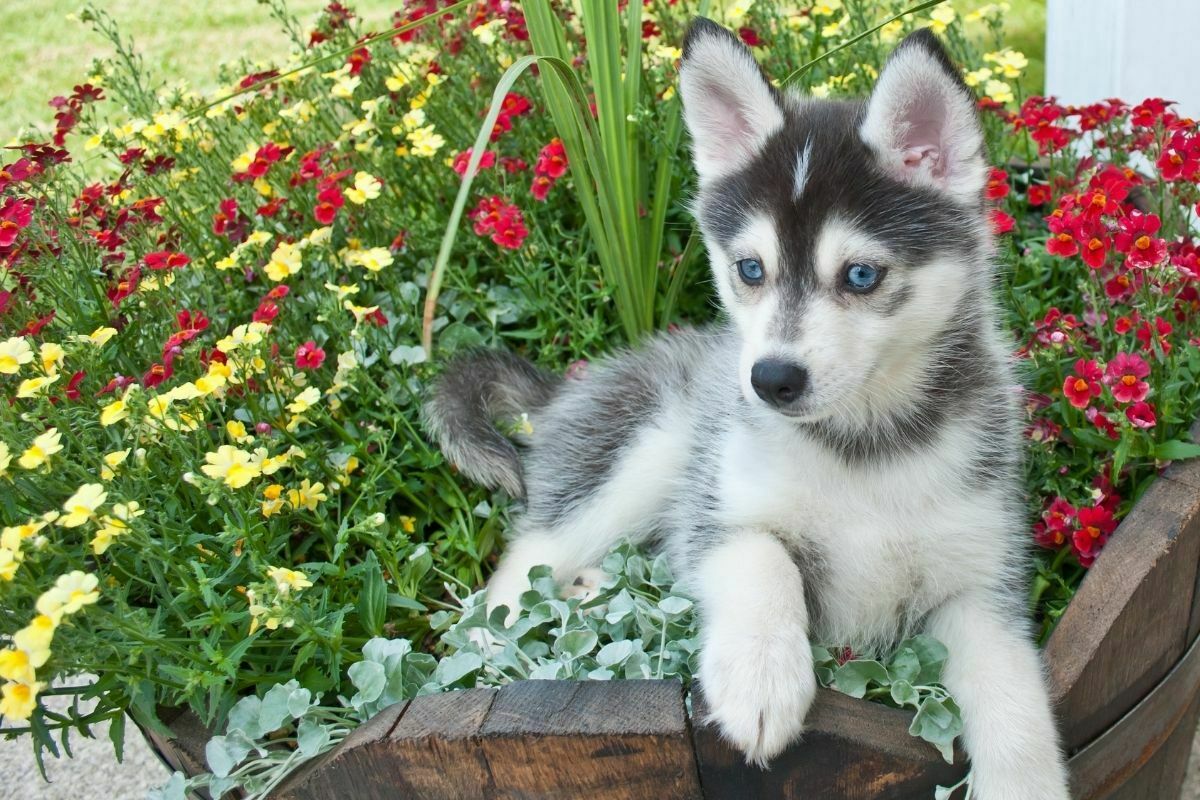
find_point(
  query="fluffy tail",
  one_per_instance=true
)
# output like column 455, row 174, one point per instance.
column 475, row 390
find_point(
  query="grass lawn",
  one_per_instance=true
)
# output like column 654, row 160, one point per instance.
column 51, row 52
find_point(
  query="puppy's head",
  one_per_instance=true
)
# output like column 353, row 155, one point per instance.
column 843, row 235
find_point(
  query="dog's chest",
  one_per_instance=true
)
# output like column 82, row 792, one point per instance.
column 879, row 546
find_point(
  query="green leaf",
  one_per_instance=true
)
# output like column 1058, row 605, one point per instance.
column 903, row 694
column 938, row 722
column 453, row 669
column 855, row 677
column 575, row 644
column 1176, row 450
column 312, row 738
column 373, row 597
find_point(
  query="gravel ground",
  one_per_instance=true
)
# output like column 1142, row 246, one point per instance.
column 93, row 774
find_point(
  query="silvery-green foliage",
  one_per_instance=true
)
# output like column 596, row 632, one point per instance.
column 636, row 624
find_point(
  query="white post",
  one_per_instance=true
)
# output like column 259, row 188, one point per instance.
column 1131, row 49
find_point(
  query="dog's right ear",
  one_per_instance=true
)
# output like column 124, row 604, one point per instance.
column 729, row 106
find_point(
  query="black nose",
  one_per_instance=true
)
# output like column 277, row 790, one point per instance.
column 778, row 382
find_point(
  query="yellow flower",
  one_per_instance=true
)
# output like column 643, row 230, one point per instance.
column 115, row 411
column 287, row 580
column 342, row 291
column 32, row 387
column 305, row 400
column 9, row 561
column 425, row 142
column 111, row 461
column 44, row 446
column 366, row 187
column 13, row 353
column 307, row 496
column 15, row 666
column 976, row 77
column 18, row 700
column 1011, row 62
column 397, row 80
column 12, row 536
column 999, row 91
column 344, row 87
column 35, row 638
column 112, row 526
column 284, row 261
column 98, row 336
column 51, row 355
column 236, row 430
column 408, row 524
column 70, row 593
column 373, row 259
column 243, row 335
column 941, row 18
column 360, row 312
column 5, row 459
column 233, row 466
column 891, row 32
column 82, row 505
column 272, row 502
column 827, row 9
column 735, row 14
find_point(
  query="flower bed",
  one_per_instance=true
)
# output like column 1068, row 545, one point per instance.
column 212, row 312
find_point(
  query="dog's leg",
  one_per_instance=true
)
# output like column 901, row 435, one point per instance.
column 995, row 675
column 756, row 667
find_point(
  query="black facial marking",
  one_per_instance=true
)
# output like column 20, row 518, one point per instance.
column 896, row 300
column 913, row 224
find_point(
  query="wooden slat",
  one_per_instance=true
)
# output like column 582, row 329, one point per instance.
column 603, row 740
column 1128, row 624
column 349, row 768
column 852, row 750
column 1145, row 754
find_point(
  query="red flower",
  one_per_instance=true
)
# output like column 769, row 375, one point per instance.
column 156, row 375
column 1102, row 423
column 1001, row 222
column 1095, row 251
column 1141, row 415
column 1062, row 244
column 1057, row 520
column 501, row 219
column 72, row 389
column 1137, row 240
column 460, row 161
column 1124, row 378
column 1162, row 329
column 552, row 160
column 309, row 356
column 1096, row 524
column 358, row 59
column 997, row 185
column 1119, row 288
column 750, row 36
column 540, row 187
column 266, row 312
column 1084, row 384
column 165, row 259
column 1039, row 194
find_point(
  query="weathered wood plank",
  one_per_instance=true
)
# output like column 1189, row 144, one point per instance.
column 604, row 740
column 852, row 750
column 1128, row 624
column 1145, row 753
column 350, row 768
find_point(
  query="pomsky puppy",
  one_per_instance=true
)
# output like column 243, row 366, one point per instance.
column 837, row 462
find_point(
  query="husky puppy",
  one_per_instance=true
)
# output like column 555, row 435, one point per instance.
column 839, row 461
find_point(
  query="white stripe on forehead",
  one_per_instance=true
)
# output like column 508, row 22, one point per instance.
column 801, row 175
column 840, row 243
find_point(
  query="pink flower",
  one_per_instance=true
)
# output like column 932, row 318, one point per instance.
column 309, row 356
column 1084, row 384
column 1124, row 378
column 1141, row 415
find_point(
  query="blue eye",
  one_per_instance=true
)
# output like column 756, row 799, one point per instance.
column 862, row 277
column 750, row 270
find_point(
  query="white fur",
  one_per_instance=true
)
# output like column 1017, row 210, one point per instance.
column 728, row 106
column 755, row 662
column 800, row 176
column 923, row 126
column 625, row 507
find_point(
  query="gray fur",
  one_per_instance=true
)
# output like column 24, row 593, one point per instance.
column 475, row 392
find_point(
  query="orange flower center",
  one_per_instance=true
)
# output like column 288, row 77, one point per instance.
column 1142, row 243
column 1176, row 159
column 1092, row 531
column 1095, row 244
column 1081, row 385
column 1099, row 200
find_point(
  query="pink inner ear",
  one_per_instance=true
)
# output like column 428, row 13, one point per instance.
column 914, row 157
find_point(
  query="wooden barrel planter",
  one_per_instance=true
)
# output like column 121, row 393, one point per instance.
column 1124, row 667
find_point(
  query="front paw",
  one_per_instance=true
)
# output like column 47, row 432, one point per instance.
column 758, row 686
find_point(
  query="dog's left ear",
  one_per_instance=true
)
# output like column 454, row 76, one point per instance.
column 922, row 122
